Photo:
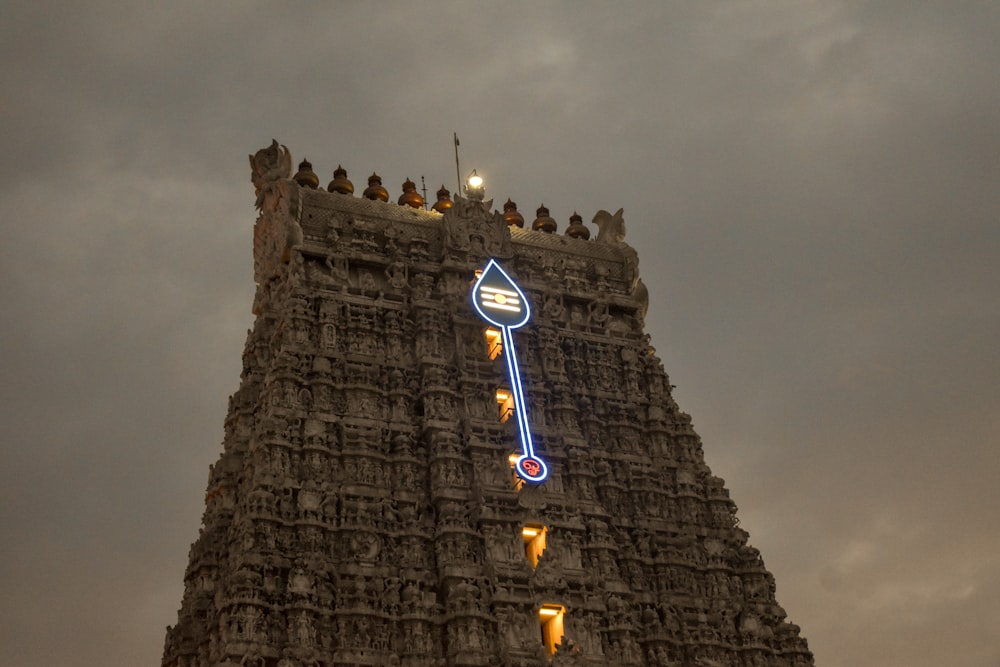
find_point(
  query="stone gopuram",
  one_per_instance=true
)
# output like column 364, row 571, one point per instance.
column 366, row 509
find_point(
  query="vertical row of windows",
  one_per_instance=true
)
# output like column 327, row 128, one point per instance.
column 550, row 616
column 505, row 397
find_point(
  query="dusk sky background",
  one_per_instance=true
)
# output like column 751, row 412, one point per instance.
column 813, row 189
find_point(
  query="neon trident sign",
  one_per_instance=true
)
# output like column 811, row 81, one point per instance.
column 499, row 301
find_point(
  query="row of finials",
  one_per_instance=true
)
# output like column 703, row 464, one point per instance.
column 340, row 184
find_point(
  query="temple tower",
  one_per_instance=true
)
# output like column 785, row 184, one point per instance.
column 367, row 508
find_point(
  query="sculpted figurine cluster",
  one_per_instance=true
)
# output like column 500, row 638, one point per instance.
column 364, row 510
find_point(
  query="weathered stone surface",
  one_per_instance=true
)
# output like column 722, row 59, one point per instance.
column 364, row 511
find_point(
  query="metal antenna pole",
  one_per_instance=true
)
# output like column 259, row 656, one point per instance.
column 458, row 172
column 423, row 186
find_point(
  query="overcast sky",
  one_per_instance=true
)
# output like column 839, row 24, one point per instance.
column 813, row 189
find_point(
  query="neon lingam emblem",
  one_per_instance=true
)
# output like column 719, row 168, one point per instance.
column 499, row 301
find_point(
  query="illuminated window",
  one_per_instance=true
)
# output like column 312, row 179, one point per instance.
column 518, row 482
column 551, row 618
column 505, row 399
column 494, row 342
column 534, row 541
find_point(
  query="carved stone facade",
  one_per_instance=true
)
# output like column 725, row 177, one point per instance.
column 364, row 509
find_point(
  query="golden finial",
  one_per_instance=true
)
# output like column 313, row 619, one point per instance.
column 305, row 176
column 576, row 228
column 375, row 190
column 340, row 183
column 444, row 201
column 410, row 196
column 511, row 216
column 543, row 222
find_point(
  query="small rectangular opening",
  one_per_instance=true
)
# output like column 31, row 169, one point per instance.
column 505, row 399
column 494, row 342
column 550, row 616
column 518, row 482
column 534, row 541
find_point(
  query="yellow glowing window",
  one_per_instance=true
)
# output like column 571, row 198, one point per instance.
column 534, row 541
column 518, row 482
column 494, row 342
column 550, row 616
column 505, row 399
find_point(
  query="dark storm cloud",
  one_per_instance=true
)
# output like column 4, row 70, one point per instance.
column 812, row 187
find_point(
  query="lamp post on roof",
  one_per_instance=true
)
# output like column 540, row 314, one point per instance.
column 474, row 188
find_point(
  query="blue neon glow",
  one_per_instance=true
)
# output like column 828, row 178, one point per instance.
column 499, row 301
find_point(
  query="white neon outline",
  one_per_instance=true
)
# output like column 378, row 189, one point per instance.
column 508, row 351
column 475, row 302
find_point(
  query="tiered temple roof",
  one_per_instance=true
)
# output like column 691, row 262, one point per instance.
column 364, row 510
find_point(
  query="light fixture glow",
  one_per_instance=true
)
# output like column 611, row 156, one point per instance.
column 474, row 188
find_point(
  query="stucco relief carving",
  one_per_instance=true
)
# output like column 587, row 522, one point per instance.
column 473, row 227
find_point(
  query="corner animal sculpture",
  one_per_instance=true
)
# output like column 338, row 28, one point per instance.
column 612, row 227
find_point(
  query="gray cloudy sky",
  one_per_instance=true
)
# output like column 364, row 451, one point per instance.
column 813, row 188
